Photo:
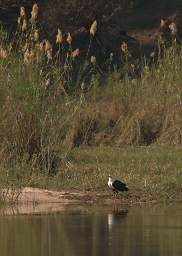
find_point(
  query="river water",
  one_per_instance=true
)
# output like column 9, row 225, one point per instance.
column 94, row 231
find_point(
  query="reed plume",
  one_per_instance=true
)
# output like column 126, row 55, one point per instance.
column 162, row 23
column 47, row 45
column 59, row 37
column 22, row 12
column 34, row 12
column 93, row 28
column 69, row 39
column 49, row 55
column 124, row 47
column 3, row 53
column 173, row 28
column 93, row 60
column 75, row 53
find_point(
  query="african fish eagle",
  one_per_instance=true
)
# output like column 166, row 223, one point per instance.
column 116, row 185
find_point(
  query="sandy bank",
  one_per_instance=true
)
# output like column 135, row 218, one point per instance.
column 37, row 201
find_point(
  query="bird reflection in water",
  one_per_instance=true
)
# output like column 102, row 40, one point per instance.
column 115, row 216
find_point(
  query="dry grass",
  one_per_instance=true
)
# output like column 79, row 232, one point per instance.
column 52, row 102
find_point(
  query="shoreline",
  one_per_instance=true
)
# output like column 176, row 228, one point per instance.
column 43, row 201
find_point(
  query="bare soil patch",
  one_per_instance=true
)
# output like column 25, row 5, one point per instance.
column 42, row 201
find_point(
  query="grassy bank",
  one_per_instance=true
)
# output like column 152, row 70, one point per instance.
column 152, row 173
column 54, row 103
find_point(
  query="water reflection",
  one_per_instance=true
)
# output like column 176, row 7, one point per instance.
column 116, row 215
column 90, row 231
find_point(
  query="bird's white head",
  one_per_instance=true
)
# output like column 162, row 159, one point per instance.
column 110, row 178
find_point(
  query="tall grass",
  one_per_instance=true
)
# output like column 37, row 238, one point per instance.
column 52, row 100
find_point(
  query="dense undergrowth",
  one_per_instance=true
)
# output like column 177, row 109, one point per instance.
column 52, row 100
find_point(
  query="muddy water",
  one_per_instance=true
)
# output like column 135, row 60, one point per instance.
column 92, row 231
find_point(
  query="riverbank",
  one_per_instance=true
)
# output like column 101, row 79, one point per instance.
column 152, row 173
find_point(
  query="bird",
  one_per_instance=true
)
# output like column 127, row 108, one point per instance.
column 116, row 185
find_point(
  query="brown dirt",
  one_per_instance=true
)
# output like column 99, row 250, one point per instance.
column 43, row 196
column 37, row 201
column 43, row 201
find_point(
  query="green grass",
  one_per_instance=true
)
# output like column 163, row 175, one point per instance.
column 151, row 173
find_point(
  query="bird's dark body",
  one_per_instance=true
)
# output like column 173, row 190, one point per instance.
column 119, row 186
